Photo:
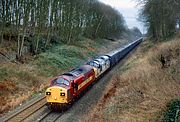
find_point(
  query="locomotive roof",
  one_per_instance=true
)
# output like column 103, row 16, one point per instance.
column 99, row 59
column 105, row 57
column 77, row 72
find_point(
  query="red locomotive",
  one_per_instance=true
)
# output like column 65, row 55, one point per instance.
column 66, row 87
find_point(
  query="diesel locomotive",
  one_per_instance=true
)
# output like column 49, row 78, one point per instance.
column 66, row 87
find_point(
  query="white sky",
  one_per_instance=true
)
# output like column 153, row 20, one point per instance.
column 129, row 10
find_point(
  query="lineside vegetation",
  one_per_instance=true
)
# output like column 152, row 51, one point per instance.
column 161, row 17
column 39, row 23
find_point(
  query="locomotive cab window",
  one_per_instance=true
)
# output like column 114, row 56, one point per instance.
column 60, row 81
column 94, row 64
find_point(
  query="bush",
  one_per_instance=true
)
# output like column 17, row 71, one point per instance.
column 172, row 113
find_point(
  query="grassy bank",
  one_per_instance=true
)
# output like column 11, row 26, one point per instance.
column 21, row 81
column 141, row 88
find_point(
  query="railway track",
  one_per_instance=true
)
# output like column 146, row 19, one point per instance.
column 49, row 117
column 42, row 117
column 26, row 111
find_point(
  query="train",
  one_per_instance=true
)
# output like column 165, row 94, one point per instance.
column 65, row 88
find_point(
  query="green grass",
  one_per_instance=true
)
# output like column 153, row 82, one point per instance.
column 6, row 72
column 62, row 57
column 54, row 61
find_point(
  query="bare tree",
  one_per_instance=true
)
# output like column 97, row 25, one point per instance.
column 39, row 20
column 160, row 16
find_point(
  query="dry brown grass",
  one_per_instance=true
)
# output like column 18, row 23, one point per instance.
column 141, row 88
column 19, row 83
column 11, row 99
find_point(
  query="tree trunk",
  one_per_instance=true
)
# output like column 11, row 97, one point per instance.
column 69, row 37
column 18, row 49
column 10, row 37
column 37, row 44
column 22, row 43
column 2, row 33
column 98, row 26
column 1, row 38
column 48, row 38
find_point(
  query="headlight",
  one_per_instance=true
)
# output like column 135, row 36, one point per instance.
column 48, row 93
column 62, row 94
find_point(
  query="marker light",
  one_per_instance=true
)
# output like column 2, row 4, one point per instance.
column 48, row 93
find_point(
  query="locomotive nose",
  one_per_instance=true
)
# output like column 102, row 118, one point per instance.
column 57, row 95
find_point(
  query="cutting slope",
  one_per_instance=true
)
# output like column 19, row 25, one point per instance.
column 142, row 87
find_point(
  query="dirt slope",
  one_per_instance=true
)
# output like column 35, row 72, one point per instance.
column 141, row 88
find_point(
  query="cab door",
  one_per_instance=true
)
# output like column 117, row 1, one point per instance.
column 74, row 88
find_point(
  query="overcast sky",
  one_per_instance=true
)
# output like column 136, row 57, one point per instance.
column 129, row 10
